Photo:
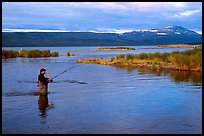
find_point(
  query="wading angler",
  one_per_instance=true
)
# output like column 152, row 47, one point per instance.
column 43, row 82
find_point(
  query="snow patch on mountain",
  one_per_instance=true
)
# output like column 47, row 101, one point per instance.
column 162, row 33
column 153, row 30
column 169, row 27
column 177, row 33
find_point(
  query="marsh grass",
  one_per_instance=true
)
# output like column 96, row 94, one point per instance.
column 55, row 54
column 28, row 53
column 185, row 60
column 121, row 56
column 9, row 54
column 117, row 48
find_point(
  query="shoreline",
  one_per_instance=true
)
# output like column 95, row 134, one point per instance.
column 114, row 63
column 120, row 48
column 159, row 66
column 39, row 53
column 190, row 60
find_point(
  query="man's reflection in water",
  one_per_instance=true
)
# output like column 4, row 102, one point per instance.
column 44, row 106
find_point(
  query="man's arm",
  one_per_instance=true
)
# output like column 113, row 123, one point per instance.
column 42, row 79
column 49, row 79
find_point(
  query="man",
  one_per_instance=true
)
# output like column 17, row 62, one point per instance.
column 43, row 82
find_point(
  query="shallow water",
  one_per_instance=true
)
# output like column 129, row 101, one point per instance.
column 99, row 99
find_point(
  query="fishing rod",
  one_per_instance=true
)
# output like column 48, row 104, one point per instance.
column 65, row 71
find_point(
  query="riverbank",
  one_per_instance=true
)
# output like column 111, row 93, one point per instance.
column 32, row 54
column 187, row 60
column 116, row 49
column 175, row 46
column 28, row 53
column 46, row 53
column 120, row 48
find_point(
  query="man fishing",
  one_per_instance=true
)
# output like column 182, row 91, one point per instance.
column 43, row 82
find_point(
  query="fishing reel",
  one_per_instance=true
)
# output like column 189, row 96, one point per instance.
column 51, row 81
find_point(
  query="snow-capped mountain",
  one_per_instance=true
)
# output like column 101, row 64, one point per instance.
column 166, row 31
column 168, row 35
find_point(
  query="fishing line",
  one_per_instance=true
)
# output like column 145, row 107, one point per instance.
column 65, row 71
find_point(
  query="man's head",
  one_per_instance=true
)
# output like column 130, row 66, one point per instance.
column 43, row 71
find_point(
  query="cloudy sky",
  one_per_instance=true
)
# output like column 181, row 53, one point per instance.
column 100, row 16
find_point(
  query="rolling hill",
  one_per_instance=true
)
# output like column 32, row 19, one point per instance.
column 168, row 35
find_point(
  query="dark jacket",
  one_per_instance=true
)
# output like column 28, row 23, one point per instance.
column 43, row 84
column 43, row 79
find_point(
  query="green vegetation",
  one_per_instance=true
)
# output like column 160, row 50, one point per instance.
column 9, row 54
column 150, row 56
column 122, row 56
column 55, row 54
column 185, row 60
column 34, row 53
column 28, row 53
column 117, row 48
column 190, row 59
column 175, row 46
column 70, row 54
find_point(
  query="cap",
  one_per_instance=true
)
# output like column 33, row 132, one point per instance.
column 43, row 70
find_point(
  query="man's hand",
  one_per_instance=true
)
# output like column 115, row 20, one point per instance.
column 49, row 78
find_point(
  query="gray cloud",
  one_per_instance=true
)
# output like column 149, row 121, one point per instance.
column 107, row 15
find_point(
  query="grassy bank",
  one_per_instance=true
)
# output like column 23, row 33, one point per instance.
column 175, row 46
column 28, row 53
column 119, row 48
column 116, row 48
column 185, row 60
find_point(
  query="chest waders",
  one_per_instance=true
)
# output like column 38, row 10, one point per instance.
column 43, row 102
column 43, row 88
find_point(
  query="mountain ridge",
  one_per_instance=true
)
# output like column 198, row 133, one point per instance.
column 167, row 35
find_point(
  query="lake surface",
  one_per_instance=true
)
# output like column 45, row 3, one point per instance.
column 99, row 99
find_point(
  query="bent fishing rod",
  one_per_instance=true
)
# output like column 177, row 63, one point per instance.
column 65, row 71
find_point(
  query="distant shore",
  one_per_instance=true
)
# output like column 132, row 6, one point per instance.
column 175, row 46
column 32, row 54
column 186, row 60
column 120, row 48
column 47, row 53
column 115, row 49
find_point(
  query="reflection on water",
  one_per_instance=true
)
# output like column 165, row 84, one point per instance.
column 70, row 81
column 44, row 106
column 58, row 81
column 21, row 93
column 35, row 60
column 26, row 81
column 186, row 76
column 17, row 93
column 9, row 60
column 176, row 76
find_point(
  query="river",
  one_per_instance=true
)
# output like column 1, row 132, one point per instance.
column 99, row 99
